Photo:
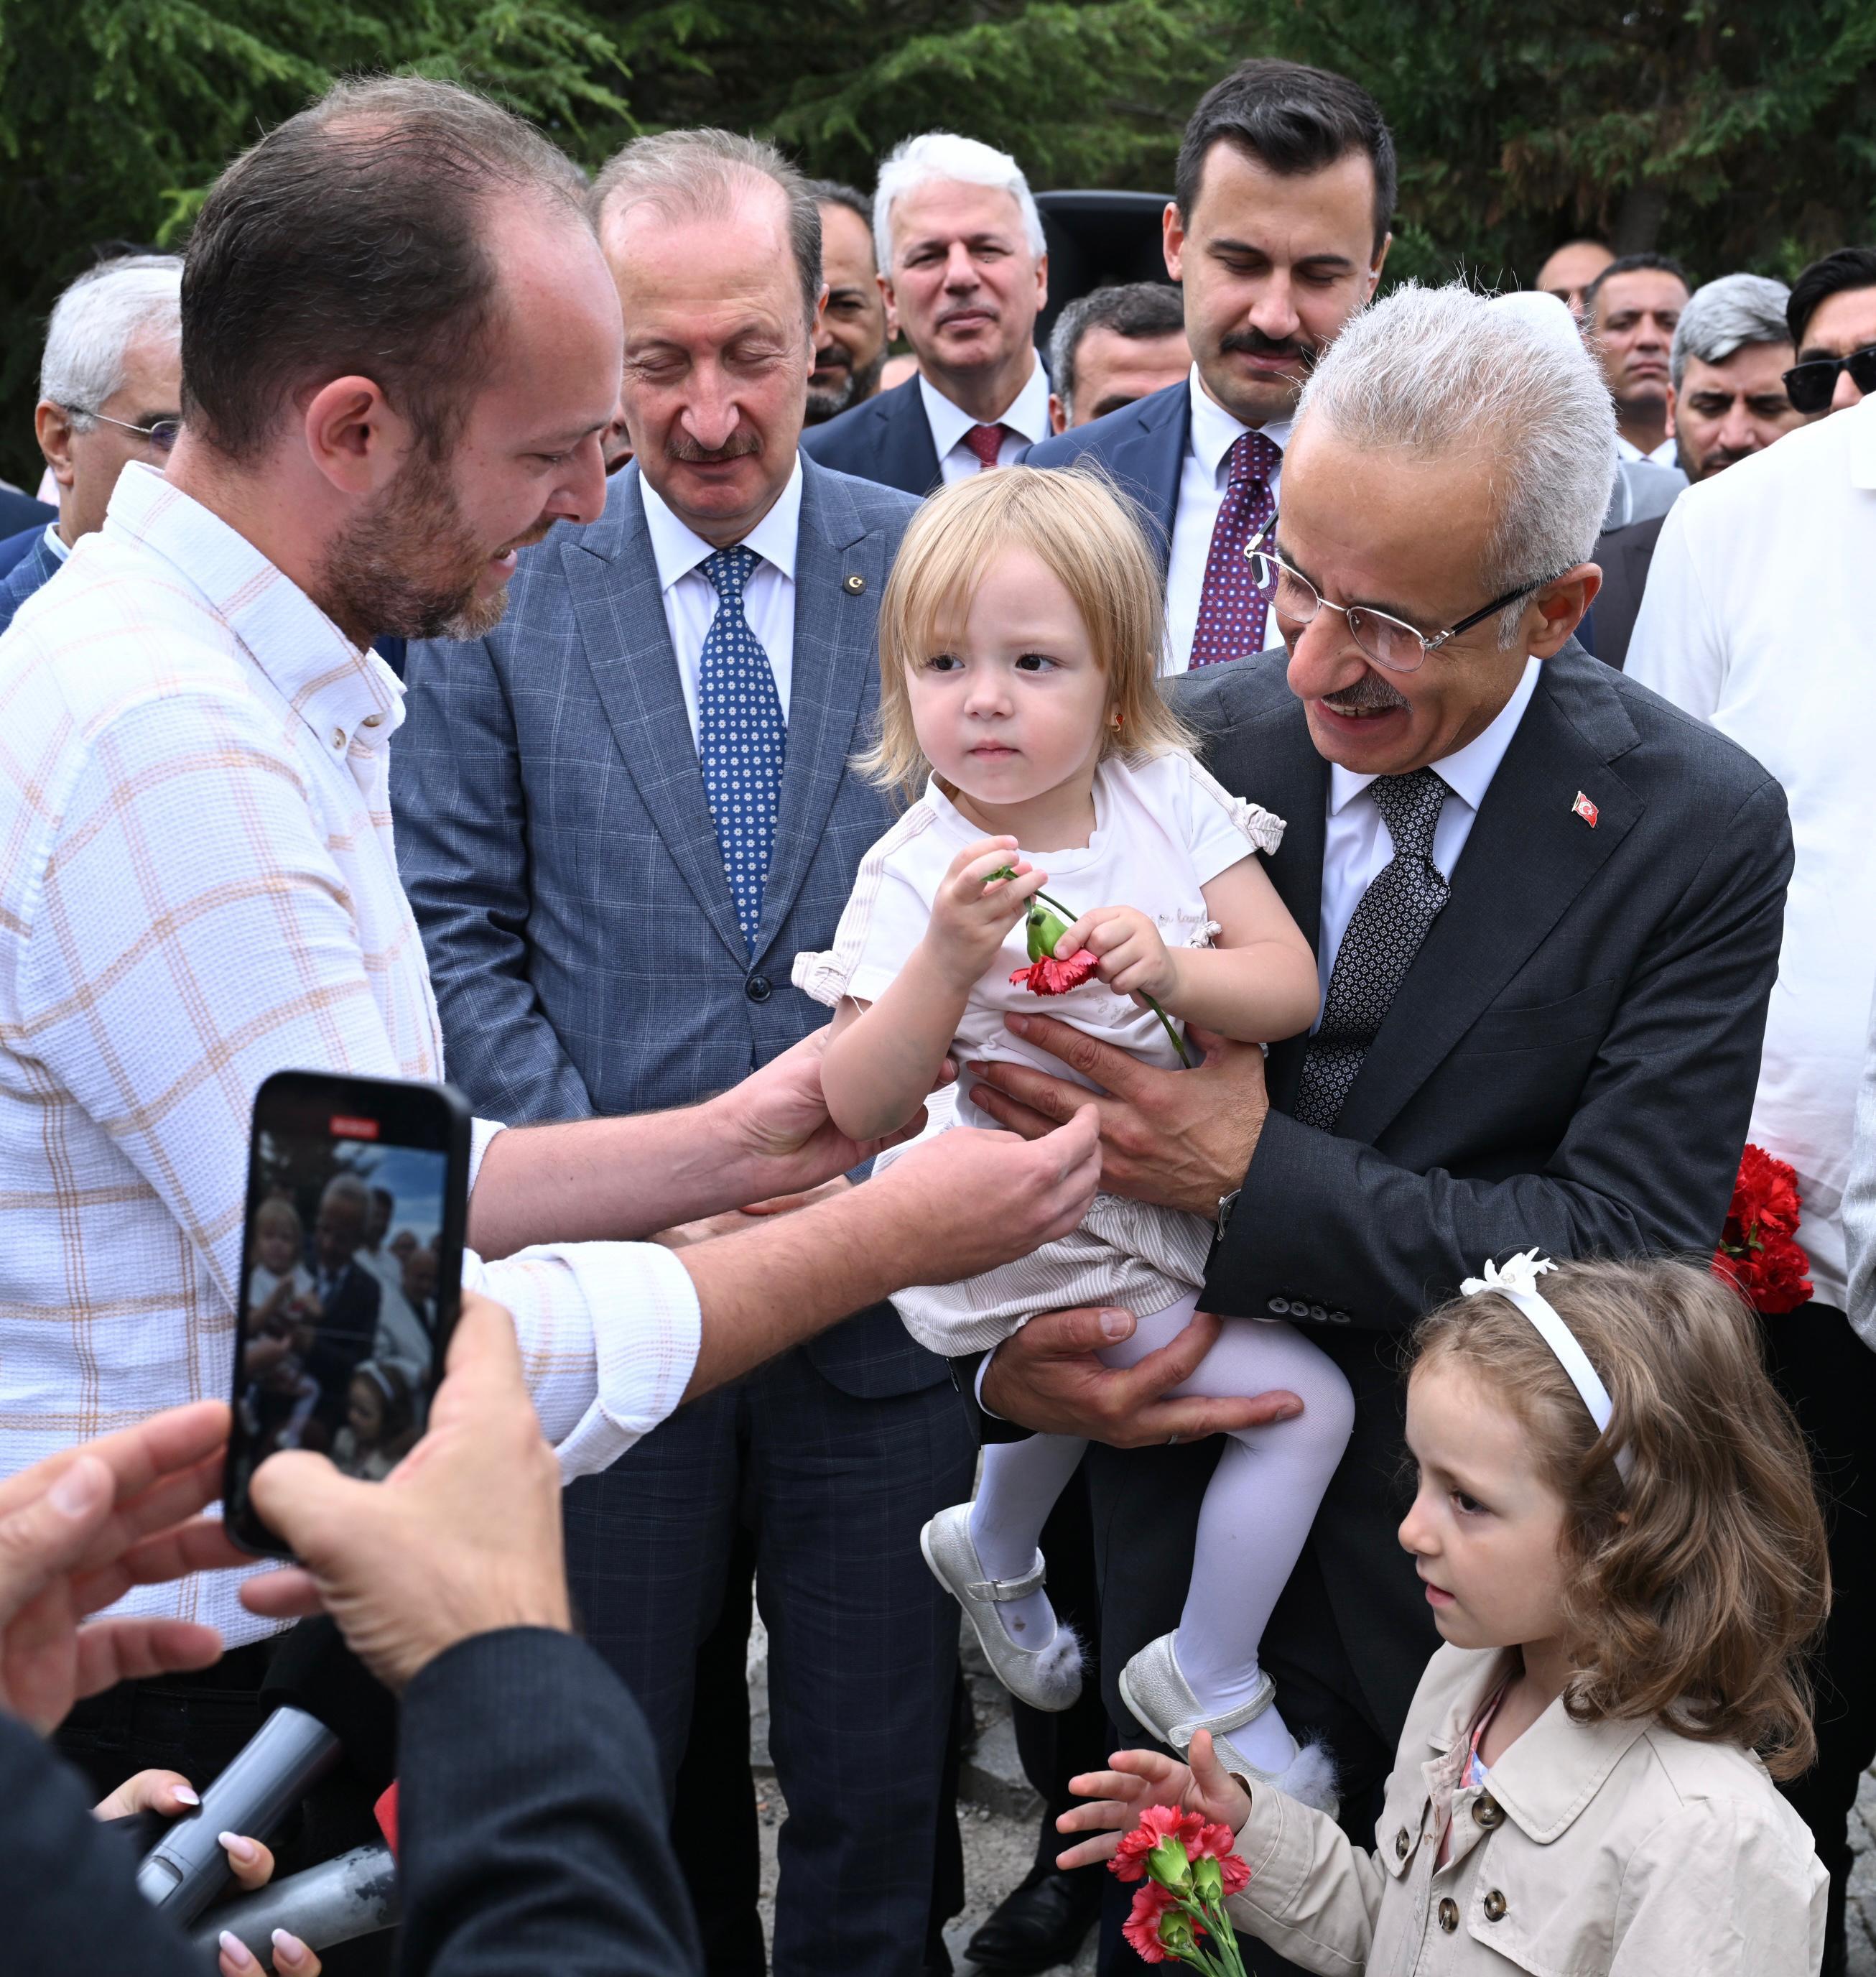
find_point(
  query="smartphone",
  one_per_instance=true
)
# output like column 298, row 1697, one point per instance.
column 352, row 1269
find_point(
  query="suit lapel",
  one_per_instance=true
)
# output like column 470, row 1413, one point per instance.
column 917, row 449
column 619, row 607
column 1527, row 857
column 834, row 678
column 1152, row 457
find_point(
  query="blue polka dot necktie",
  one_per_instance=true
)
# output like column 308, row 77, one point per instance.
column 1231, row 608
column 1384, row 934
column 741, row 737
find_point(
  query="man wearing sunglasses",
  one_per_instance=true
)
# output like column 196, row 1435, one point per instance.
column 1756, row 620
column 1832, row 315
column 1547, row 913
column 110, row 385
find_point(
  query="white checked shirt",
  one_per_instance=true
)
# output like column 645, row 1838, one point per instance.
column 197, row 888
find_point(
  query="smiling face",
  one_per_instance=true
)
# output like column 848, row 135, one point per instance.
column 1273, row 264
column 1485, row 1530
column 963, row 285
column 717, row 353
column 1011, row 702
column 1403, row 534
column 1725, row 412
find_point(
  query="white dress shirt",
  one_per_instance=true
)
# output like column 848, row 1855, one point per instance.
column 199, row 889
column 1203, row 481
column 1664, row 455
column 1356, row 846
column 55, row 542
column 1756, row 618
column 690, row 598
column 1025, row 418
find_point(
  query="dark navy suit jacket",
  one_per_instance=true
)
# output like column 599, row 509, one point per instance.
column 1141, row 447
column 33, row 570
column 888, row 439
column 21, row 515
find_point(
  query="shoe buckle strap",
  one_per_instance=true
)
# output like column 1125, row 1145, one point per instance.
column 1001, row 1591
column 1228, row 1720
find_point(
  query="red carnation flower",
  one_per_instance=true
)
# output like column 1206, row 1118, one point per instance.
column 1216, row 1843
column 1757, row 1249
column 1158, row 1824
column 1141, row 1926
column 1050, row 976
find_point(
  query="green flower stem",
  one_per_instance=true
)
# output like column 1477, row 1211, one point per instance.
column 1173, row 1036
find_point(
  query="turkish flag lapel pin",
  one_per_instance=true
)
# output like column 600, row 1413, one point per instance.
column 1584, row 808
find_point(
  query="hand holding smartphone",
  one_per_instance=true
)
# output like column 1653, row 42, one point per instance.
column 351, row 1266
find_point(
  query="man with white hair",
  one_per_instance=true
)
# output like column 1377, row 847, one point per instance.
column 1546, row 909
column 963, row 267
column 111, row 386
column 1726, row 402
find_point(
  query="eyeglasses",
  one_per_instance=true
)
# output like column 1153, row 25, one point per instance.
column 1389, row 641
column 1811, row 385
column 161, row 434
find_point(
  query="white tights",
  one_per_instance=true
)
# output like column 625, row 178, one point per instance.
column 1258, row 1507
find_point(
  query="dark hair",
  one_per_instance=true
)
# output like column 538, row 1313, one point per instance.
column 1630, row 264
column 836, row 192
column 1292, row 120
column 1836, row 274
column 1129, row 308
column 350, row 239
column 692, row 174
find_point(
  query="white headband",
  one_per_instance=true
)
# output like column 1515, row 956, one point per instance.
column 1517, row 1282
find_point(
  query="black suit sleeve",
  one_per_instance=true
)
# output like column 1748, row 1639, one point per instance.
column 68, row 1885
column 531, row 1820
column 1647, row 1163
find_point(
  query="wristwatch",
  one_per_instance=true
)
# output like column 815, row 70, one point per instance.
column 1226, row 1203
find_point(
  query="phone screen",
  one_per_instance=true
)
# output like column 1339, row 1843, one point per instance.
column 351, row 1266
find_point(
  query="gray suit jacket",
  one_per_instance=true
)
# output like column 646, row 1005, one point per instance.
column 556, row 843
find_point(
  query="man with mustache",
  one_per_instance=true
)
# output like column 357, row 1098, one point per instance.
column 965, row 271
column 850, row 344
column 1277, row 230
column 1547, row 910
column 620, row 815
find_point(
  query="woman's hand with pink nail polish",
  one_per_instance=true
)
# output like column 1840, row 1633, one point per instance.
column 166, row 1792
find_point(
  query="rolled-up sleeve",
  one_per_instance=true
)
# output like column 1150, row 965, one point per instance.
column 608, row 1335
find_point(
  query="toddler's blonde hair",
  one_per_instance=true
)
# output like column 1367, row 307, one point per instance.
column 1091, row 538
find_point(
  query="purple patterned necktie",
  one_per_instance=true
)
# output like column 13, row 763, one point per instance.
column 1231, row 608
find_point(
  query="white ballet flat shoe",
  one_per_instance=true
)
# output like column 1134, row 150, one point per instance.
column 1044, row 1677
column 1155, row 1689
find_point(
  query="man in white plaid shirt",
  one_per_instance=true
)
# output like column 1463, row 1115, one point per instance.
column 401, row 348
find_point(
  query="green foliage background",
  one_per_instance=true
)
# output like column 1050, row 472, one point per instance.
column 1735, row 135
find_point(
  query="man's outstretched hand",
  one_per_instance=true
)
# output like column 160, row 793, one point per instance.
column 1049, row 1376
column 1180, row 1138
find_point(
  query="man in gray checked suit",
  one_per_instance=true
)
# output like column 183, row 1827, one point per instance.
column 619, row 817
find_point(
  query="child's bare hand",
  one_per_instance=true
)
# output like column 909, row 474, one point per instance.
column 1141, row 1778
column 973, row 911
column 1134, row 960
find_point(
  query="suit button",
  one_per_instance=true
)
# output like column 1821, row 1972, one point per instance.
column 1401, row 1844
column 758, row 989
column 1338, row 1318
column 1318, row 1314
column 1448, row 1915
column 855, row 585
column 1280, row 1306
column 1494, row 1905
column 1487, row 1812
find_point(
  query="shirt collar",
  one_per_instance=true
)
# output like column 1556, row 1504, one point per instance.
column 349, row 698
column 1026, row 415
column 56, row 542
column 1214, row 431
column 1862, row 441
column 678, row 550
column 1467, row 772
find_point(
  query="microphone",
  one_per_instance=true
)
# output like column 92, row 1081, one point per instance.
column 326, row 1703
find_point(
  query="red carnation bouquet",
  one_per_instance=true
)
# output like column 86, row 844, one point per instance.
column 1051, row 972
column 1759, row 1248
column 1187, row 1868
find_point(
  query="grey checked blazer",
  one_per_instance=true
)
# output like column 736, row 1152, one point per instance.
column 554, row 837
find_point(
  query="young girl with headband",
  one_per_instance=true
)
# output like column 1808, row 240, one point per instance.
column 1020, row 636
column 1617, row 1529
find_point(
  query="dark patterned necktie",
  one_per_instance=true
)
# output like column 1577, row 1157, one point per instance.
column 1231, row 608
column 741, row 737
column 1384, row 934
column 985, row 442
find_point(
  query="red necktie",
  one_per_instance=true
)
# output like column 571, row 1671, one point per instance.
column 985, row 442
column 1231, row 609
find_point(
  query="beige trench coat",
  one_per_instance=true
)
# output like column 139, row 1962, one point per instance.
column 1618, row 1848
